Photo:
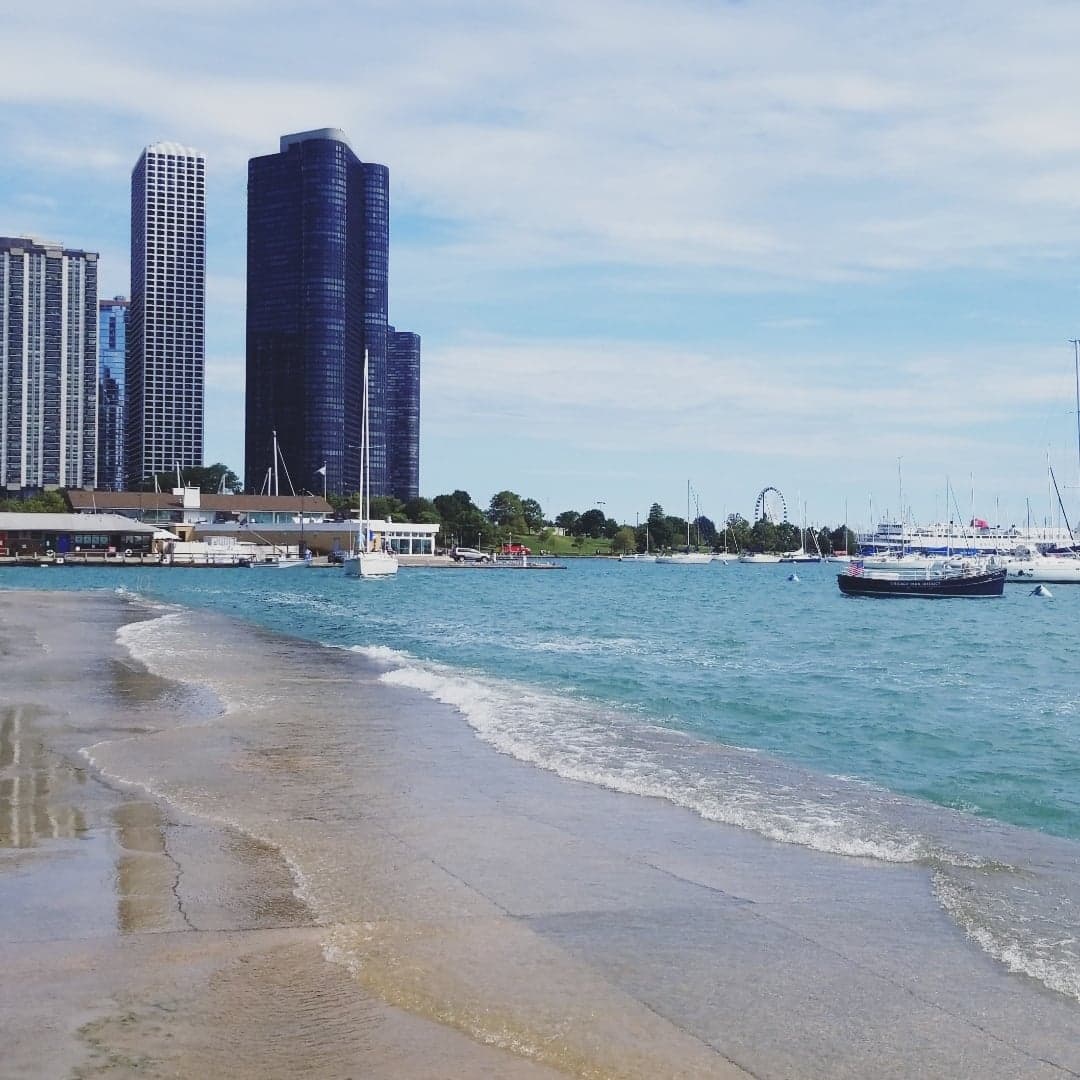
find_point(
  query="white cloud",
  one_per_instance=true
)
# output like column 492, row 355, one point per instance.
column 618, row 149
column 790, row 142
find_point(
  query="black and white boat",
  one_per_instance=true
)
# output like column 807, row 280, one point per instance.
column 929, row 578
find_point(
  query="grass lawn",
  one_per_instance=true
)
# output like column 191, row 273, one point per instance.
column 564, row 545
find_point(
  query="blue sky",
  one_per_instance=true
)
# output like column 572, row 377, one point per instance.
column 739, row 244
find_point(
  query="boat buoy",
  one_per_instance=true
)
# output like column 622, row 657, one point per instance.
column 793, row 577
column 1042, row 590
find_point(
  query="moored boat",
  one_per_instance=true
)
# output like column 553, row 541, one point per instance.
column 939, row 578
column 686, row 558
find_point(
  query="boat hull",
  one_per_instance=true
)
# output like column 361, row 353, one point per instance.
column 1059, row 571
column 985, row 583
column 371, row 564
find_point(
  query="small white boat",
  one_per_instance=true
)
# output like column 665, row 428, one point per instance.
column 640, row 556
column 1028, row 565
column 686, row 558
column 758, row 557
column 371, row 564
column 723, row 556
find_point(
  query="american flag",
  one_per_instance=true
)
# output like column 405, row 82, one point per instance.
column 855, row 569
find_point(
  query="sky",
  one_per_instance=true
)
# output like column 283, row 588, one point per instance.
column 827, row 247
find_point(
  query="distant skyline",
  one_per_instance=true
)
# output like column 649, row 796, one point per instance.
column 745, row 244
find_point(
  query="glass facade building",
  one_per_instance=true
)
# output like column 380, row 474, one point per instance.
column 166, row 327
column 48, row 365
column 112, row 344
column 318, row 251
column 403, row 411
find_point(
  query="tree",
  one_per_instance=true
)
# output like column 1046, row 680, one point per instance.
column 842, row 539
column 659, row 530
column 624, row 542
column 738, row 532
column 763, row 535
column 675, row 528
column 386, row 506
column 45, row 502
column 567, row 521
column 209, row 479
column 533, row 514
column 463, row 523
column 591, row 524
column 422, row 511
column 706, row 530
column 505, row 509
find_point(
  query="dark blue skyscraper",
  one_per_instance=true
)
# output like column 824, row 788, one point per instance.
column 403, row 412
column 318, row 246
column 112, row 336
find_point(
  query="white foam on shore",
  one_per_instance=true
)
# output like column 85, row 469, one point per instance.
column 583, row 741
column 1023, row 940
column 995, row 904
column 172, row 646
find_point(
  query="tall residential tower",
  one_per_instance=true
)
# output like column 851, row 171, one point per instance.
column 318, row 245
column 48, row 365
column 403, row 409
column 112, row 346
column 165, row 367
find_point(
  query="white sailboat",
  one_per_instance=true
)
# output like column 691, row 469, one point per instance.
column 687, row 557
column 366, row 561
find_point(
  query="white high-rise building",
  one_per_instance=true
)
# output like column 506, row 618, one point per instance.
column 48, row 365
column 166, row 329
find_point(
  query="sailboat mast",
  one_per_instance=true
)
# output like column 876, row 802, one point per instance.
column 276, row 492
column 365, row 458
column 1076, row 365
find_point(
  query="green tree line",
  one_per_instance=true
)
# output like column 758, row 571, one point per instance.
column 509, row 515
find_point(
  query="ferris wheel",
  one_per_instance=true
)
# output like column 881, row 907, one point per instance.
column 770, row 506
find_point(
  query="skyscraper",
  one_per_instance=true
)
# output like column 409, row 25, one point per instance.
column 48, row 365
column 403, row 412
column 165, row 367
column 318, row 243
column 112, row 338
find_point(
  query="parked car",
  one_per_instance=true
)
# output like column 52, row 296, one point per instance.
column 515, row 549
column 462, row 554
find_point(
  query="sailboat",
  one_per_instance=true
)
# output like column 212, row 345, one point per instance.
column 366, row 561
column 687, row 557
column 640, row 556
column 726, row 556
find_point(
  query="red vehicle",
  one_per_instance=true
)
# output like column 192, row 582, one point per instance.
column 515, row 549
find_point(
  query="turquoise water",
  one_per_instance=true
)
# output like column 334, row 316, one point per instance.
column 968, row 704
column 939, row 733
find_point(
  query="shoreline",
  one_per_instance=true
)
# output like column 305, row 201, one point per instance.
column 603, row 933
column 141, row 941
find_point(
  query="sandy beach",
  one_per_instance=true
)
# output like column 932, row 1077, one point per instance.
column 250, row 857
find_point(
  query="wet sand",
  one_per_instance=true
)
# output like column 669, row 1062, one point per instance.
column 137, row 942
column 486, row 918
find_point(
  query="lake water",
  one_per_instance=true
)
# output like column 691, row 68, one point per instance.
column 940, row 733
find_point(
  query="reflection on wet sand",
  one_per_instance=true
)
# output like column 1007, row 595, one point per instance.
column 146, row 875
column 32, row 785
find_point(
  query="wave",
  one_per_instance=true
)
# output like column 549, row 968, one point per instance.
column 1026, row 925
column 583, row 740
